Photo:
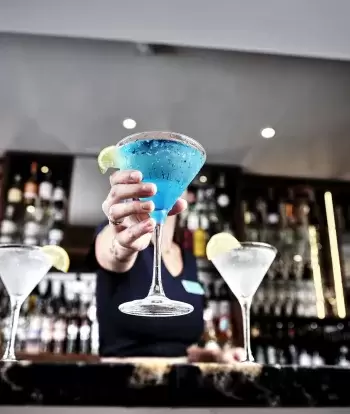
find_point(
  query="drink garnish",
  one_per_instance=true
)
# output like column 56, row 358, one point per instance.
column 221, row 243
column 107, row 159
column 58, row 256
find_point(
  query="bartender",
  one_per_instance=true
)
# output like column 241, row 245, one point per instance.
column 123, row 253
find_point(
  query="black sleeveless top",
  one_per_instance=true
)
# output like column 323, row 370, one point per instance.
column 126, row 335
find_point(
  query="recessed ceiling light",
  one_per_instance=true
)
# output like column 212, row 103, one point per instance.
column 129, row 123
column 268, row 133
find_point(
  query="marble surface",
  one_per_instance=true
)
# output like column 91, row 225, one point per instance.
column 165, row 384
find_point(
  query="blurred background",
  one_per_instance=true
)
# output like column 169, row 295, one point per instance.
column 263, row 86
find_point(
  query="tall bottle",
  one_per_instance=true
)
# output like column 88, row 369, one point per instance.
column 8, row 228
column 15, row 197
column 59, row 196
column 31, row 186
column 200, row 234
column 56, row 233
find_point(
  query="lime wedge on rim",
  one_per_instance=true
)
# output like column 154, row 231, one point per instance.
column 221, row 243
column 107, row 159
column 58, row 256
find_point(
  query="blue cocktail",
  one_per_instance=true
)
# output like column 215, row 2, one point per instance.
column 170, row 161
column 170, row 165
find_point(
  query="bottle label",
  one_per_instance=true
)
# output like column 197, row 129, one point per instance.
column 55, row 235
column 58, row 194
column 224, row 324
column 223, row 200
column 85, row 332
column 8, row 227
column 45, row 191
column 72, row 331
column 200, row 238
column 31, row 229
column 14, row 195
column 59, row 332
column 30, row 190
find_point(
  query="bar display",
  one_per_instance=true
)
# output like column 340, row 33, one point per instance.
column 298, row 314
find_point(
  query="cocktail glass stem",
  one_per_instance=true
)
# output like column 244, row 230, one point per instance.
column 16, row 304
column 245, row 306
column 156, row 286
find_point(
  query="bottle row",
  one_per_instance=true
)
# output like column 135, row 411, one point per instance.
column 58, row 317
column 35, row 211
column 293, row 355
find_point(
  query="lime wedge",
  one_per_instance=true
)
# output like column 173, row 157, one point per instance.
column 58, row 256
column 107, row 159
column 221, row 243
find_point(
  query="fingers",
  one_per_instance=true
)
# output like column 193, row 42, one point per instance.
column 125, row 177
column 197, row 354
column 118, row 212
column 179, row 207
column 127, row 237
column 121, row 192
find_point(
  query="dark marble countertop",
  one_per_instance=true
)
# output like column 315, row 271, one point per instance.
column 163, row 384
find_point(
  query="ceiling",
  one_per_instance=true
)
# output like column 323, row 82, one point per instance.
column 318, row 28
column 64, row 95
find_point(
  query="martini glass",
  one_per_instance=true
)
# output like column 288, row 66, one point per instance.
column 21, row 269
column 170, row 161
column 243, row 269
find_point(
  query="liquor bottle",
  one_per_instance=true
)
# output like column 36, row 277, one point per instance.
column 15, row 193
column 225, row 334
column 273, row 217
column 209, row 337
column 31, row 186
column 72, row 330
column 84, row 331
column 251, row 231
column 94, row 335
column 47, row 329
column 261, row 218
column 31, row 227
column 223, row 200
column 8, row 229
column 200, row 235
column 59, row 197
column 59, row 331
column 56, row 233
column 33, row 337
column 46, row 190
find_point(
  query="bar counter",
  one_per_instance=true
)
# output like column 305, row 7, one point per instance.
column 165, row 383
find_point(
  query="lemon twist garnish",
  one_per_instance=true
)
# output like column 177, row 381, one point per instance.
column 58, row 256
column 221, row 243
column 107, row 159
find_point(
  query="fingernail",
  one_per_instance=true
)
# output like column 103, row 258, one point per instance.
column 147, row 206
column 149, row 187
column 150, row 224
column 135, row 176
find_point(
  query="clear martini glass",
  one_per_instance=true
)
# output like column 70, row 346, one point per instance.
column 170, row 161
column 21, row 269
column 243, row 269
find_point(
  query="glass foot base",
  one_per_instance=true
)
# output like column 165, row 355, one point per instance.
column 156, row 306
column 9, row 360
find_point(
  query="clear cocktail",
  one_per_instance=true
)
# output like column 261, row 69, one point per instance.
column 243, row 267
column 170, row 161
column 21, row 269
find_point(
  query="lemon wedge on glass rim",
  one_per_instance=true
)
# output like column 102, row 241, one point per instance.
column 107, row 158
column 221, row 243
column 58, row 256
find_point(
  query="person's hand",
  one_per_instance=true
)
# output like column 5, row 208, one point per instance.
column 197, row 354
column 128, row 216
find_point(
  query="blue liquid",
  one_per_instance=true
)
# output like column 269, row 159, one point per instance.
column 170, row 165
